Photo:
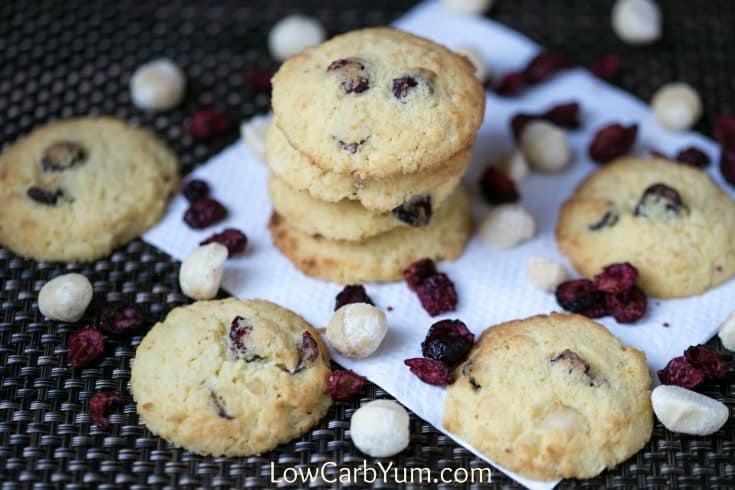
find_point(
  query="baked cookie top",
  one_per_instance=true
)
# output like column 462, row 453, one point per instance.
column 669, row 220
column 231, row 377
column 75, row 189
column 552, row 396
column 378, row 102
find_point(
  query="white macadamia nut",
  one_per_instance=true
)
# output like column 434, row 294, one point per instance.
column 158, row 85
column 636, row 21
column 688, row 412
column 380, row 428
column 507, row 226
column 545, row 146
column 676, row 106
column 515, row 166
column 357, row 329
column 293, row 34
column 201, row 272
column 471, row 7
column 253, row 133
column 727, row 332
column 545, row 273
column 482, row 71
column 65, row 298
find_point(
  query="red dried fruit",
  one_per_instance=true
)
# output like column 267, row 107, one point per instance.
column 707, row 360
column 607, row 68
column 100, row 406
column 498, row 188
column 596, row 311
column 85, row 346
column 511, row 84
column 418, row 272
column 580, row 296
column 232, row 238
column 62, row 155
column 612, row 141
column 724, row 130
column 629, row 306
column 727, row 164
column 437, row 294
column 354, row 293
column 207, row 123
column 448, row 341
column 519, row 121
column 195, row 189
column 616, row 278
column 415, row 212
column 564, row 115
column 693, row 156
column 352, row 75
column 544, row 66
column 258, row 80
column 343, row 385
column 239, row 331
column 401, row 86
column 308, row 351
column 430, row 371
column 119, row 319
column 204, row 212
column 679, row 372
column 42, row 196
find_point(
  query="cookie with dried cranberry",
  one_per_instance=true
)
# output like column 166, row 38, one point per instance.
column 552, row 396
column 76, row 189
column 378, row 102
column 671, row 221
column 381, row 258
column 231, row 377
column 379, row 196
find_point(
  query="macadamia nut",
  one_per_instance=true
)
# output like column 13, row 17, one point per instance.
column 253, row 133
column 357, row 329
column 507, row 226
column 545, row 273
column 158, row 85
column 380, row 428
column 727, row 332
column 676, row 106
column 482, row 72
column 636, row 21
column 515, row 166
column 476, row 7
column 65, row 298
column 293, row 34
column 688, row 412
column 201, row 272
column 545, row 146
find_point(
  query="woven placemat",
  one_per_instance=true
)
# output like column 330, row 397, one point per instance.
column 59, row 59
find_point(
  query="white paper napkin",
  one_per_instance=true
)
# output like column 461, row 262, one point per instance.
column 492, row 285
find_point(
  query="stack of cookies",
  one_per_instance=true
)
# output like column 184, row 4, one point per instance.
column 371, row 137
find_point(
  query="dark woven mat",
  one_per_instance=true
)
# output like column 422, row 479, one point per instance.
column 63, row 58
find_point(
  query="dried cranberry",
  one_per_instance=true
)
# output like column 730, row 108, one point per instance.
column 658, row 202
column 511, row 84
column 239, row 332
column 232, row 238
column 707, row 360
column 401, row 86
column 519, row 122
column 195, row 189
column 572, row 361
column 220, row 404
column 85, row 346
column 415, row 212
column 207, row 123
column 351, row 147
column 343, row 385
column 724, row 130
column 448, row 341
column 119, row 319
column 612, row 141
column 204, row 212
column 258, row 80
column 727, row 165
column 42, row 196
column 352, row 294
column 565, row 115
column 100, row 405
column 62, row 155
column 607, row 68
column 430, row 371
column 498, row 188
column 693, row 156
column 352, row 75
column 309, row 351
column 679, row 372
column 544, row 66
column 437, row 294
column 578, row 295
column 628, row 306
column 596, row 311
column 616, row 278
column 610, row 218
column 418, row 272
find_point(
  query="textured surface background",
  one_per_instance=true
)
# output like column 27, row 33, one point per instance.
column 59, row 59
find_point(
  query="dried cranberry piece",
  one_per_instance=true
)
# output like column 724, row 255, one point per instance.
column 415, row 212
column 351, row 147
column 610, row 218
column 85, row 346
column 724, row 130
column 239, row 331
column 679, row 372
column 195, row 189
column 578, row 295
column 544, row 66
column 628, row 306
column 401, row 86
column 352, row 75
column 354, row 293
column 498, row 188
column 607, row 68
column 511, row 84
column 596, row 311
column 572, row 361
column 418, row 272
column 430, row 371
column 519, row 122
column 42, row 196
column 448, row 341
column 204, row 212
column 612, row 141
column 693, row 156
column 62, row 155
column 219, row 403
column 258, row 80
column 232, row 238
column 707, row 360
column 343, row 385
column 658, row 202
column 437, row 294
column 119, row 319
column 727, row 165
column 309, row 351
column 100, row 406
column 565, row 115
column 207, row 123
column 616, row 278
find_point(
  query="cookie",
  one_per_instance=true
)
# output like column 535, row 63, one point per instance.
column 381, row 258
column 74, row 190
column 378, row 102
column 348, row 220
column 552, row 396
column 669, row 220
column 231, row 377
column 381, row 196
